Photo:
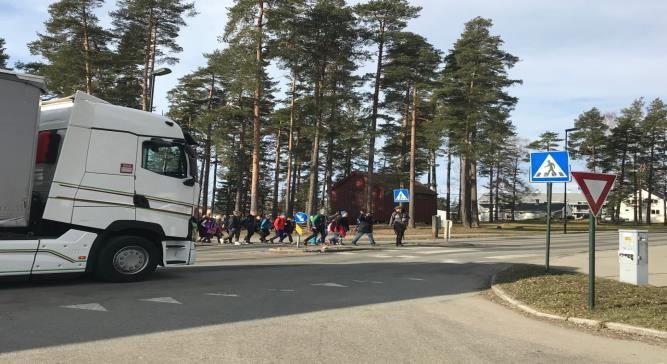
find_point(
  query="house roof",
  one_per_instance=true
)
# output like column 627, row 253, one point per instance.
column 386, row 180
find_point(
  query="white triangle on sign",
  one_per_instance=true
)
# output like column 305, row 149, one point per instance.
column 549, row 168
column 401, row 196
column 595, row 187
column 88, row 306
column 162, row 300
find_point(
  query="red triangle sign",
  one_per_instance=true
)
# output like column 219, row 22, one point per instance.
column 596, row 187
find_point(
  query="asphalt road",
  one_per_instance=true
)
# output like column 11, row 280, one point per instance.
column 246, row 304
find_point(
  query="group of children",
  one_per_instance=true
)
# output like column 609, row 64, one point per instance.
column 335, row 227
column 227, row 229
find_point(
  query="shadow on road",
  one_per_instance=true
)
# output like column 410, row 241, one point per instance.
column 33, row 315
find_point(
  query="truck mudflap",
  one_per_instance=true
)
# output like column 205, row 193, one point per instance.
column 178, row 252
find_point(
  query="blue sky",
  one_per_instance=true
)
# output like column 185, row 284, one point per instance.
column 574, row 54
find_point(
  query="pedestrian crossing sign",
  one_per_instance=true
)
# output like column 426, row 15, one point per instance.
column 552, row 166
column 401, row 195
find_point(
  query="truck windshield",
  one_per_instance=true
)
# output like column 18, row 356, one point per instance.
column 168, row 160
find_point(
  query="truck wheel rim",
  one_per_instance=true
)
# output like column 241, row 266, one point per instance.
column 130, row 260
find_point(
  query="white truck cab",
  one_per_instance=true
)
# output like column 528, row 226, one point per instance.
column 97, row 187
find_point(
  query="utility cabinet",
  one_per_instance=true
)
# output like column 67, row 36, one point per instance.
column 633, row 256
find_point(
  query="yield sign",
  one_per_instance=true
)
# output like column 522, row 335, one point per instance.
column 596, row 187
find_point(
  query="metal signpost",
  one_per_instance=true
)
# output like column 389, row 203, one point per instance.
column 299, row 218
column 549, row 167
column 595, row 187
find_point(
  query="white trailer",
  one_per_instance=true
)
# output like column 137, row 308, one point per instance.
column 91, row 187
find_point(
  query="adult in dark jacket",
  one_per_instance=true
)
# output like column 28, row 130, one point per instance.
column 289, row 230
column 399, row 221
column 364, row 227
column 250, row 224
column 234, row 225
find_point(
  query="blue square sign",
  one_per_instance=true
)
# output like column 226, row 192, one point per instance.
column 402, row 195
column 553, row 166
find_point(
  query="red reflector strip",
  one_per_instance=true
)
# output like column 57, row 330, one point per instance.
column 43, row 141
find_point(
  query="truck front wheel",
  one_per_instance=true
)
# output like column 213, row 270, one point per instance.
column 126, row 259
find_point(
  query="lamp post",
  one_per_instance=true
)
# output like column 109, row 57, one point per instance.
column 565, row 189
column 158, row 72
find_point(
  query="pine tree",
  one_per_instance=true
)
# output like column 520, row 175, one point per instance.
column 381, row 17
column 147, row 31
column 74, row 47
column 590, row 136
column 473, row 91
column 547, row 141
column 653, row 129
column 4, row 57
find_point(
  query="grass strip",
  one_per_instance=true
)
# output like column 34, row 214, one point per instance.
column 566, row 293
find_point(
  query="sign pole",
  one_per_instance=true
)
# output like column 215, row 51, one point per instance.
column 591, row 261
column 548, row 245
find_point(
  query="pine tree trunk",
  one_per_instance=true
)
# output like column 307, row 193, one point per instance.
column 449, row 181
column 374, row 114
column 207, row 166
column 413, row 151
column 256, row 121
column 329, row 172
column 491, row 206
column 497, row 192
column 276, row 174
column 290, row 146
column 315, row 152
column 240, row 166
column 464, row 193
column 621, row 182
column 215, row 180
column 402, row 165
column 514, row 182
column 296, row 183
column 86, row 50
column 474, row 212
column 149, row 60
column 434, row 183
column 649, row 183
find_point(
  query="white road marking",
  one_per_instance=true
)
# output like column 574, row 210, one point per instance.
column 281, row 290
column 374, row 282
column 162, row 300
column 222, row 294
column 329, row 285
column 381, row 256
column 88, row 306
column 416, row 279
column 451, row 261
column 406, row 256
column 514, row 256
column 346, row 253
column 445, row 251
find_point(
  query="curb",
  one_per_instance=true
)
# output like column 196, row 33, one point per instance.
column 614, row 326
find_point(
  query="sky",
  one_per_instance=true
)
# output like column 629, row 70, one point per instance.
column 574, row 55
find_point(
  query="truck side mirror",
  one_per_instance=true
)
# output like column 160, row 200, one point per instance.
column 189, row 182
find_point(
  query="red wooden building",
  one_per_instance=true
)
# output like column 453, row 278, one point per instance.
column 349, row 194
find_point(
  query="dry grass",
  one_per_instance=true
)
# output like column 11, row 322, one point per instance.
column 566, row 294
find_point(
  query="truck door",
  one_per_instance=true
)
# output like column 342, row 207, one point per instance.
column 164, row 186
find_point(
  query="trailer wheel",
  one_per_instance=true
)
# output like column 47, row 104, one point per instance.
column 126, row 259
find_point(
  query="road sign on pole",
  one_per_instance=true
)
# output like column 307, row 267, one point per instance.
column 549, row 167
column 301, row 218
column 401, row 195
column 595, row 187
column 552, row 166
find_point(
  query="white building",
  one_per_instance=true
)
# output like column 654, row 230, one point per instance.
column 627, row 212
